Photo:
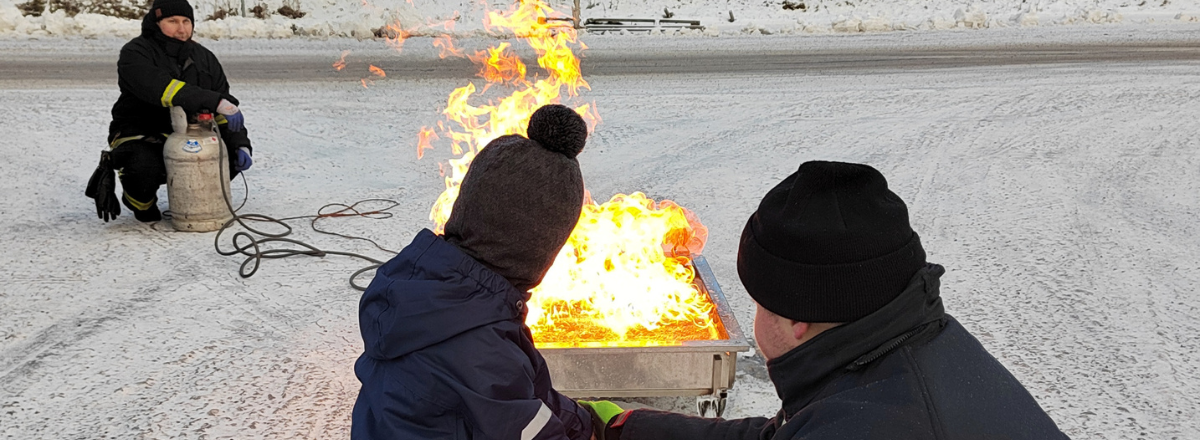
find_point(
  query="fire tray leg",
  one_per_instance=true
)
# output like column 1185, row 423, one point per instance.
column 712, row 405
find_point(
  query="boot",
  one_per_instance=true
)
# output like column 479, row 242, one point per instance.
column 149, row 214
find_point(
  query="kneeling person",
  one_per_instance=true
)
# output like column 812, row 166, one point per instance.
column 161, row 68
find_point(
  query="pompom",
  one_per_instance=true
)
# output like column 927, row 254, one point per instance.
column 558, row 128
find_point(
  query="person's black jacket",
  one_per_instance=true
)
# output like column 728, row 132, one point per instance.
column 906, row 372
column 156, row 72
column 448, row 356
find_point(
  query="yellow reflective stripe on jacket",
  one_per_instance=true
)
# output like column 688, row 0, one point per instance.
column 170, row 91
column 140, row 206
column 118, row 141
column 221, row 119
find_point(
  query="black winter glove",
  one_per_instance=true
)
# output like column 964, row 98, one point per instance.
column 102, row 187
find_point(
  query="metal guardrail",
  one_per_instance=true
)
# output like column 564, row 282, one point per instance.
column 602, row 25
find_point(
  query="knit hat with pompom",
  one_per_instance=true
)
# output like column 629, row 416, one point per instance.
column 521, row 198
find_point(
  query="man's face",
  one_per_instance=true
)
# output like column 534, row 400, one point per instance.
column 773, row 333
column 177, row 27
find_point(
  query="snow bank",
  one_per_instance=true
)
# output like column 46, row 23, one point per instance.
column 344, row 18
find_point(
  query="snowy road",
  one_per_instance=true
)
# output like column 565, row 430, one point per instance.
column 98, row 66
column 1062, row 197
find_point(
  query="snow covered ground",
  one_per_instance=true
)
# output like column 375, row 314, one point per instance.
column 460, row 18
column 1061, row 197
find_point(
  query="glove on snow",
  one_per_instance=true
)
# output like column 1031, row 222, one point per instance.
column 232, row 114
column 102, row 187
column 243, row 161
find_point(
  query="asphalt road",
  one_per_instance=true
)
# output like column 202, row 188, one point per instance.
column 100, row 67
column 1056, row 182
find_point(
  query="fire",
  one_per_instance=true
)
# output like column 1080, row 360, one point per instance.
column 500, row 66
column 625, row 277
column 341, row 63
column 471, row 127
column 377, row 71
column 446, row 45
column 395, row 35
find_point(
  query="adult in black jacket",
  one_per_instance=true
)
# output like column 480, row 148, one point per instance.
column 851, row 323
column 162, row 68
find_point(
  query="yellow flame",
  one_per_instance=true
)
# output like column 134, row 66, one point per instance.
column 499, row 65
column 472, row 127
column 625, row 275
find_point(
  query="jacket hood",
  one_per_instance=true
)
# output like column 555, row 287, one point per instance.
column 428, row 293
column 800, row 374
column 150, row 25
column 175, row 48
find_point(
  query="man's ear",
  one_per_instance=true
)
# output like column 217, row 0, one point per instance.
column 799, row 330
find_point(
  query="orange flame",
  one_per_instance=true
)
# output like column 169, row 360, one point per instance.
column 551, row 40
column 474, row 126
column 377, row 71
column 341, row 63
column 446, row 46
column 425, row 141
column 395, row 35
column 625, row 275
column 498, row 65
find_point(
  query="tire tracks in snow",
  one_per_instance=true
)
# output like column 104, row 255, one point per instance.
column 20, row 363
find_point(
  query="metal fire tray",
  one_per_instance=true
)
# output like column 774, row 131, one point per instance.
column 695, row 368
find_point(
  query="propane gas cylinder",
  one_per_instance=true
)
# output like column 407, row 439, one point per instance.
column 197, row 173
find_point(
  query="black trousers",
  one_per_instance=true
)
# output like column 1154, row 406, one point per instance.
column 143, row 170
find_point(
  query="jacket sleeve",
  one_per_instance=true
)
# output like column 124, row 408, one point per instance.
column 504, row 392
column 155, row 85
column 233, row 139
column 513, row 408
column 534, row 420
column 644, row 424
column 576, row 421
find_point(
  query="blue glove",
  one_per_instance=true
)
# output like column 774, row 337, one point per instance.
column 232, row 114
column 243, row 160
column 235, row 121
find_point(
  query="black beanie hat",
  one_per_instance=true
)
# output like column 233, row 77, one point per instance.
column 830, row 243
column 521, row 197
column 166, row 8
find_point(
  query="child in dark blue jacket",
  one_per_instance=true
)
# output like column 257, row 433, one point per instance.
column 448, row 355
